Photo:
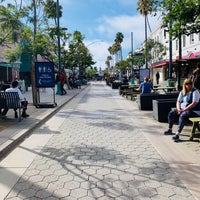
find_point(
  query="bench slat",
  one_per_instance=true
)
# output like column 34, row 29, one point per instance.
column 194, row 119
column 10, row 100
column 195, row 125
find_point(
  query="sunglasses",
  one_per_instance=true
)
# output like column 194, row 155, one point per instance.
column 188, row 83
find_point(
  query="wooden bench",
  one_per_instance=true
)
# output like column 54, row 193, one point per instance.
column 10, row 100
column 130, row 91
column 122, row 88
column 195, row 125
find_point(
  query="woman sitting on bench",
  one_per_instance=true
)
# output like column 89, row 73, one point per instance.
column 187, row 105
column 24, row 103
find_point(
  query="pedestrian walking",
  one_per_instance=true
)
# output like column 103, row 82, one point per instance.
column 157, row 77
column 63, row 79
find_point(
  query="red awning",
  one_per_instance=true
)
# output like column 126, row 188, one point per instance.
column 156, row 65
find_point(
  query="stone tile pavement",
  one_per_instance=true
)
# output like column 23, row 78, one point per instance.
column 100, row 146
column 12, row 131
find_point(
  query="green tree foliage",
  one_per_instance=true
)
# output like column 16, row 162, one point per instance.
column 116, row 49
column 91, row 73
column 78, row 57
column 107, row 62
column 37, row 36
column 183, row 14
column 138, row 60
column 123, row 65
column 50, row 10
column 145, row 8
column 155, row 48
column 10, row 24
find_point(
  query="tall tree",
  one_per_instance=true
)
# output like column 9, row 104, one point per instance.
column 146, row 7
column 107, row 62
column 184, row 15
column 116, row 49
column 10, row 25
column 78, row 55
column 118, row 40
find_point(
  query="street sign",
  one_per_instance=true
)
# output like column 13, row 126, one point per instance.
column 44, row 74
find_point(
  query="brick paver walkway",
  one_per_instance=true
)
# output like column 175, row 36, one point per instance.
column 98, row 150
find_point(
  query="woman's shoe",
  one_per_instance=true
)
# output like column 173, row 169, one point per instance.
column 175, row 138
column 168, row 132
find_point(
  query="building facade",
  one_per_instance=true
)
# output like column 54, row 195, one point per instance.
column 181, row 68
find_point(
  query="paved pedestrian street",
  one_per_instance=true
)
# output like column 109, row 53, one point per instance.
column 94, row 148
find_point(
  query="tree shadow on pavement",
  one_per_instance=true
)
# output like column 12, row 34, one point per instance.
column 93, row 168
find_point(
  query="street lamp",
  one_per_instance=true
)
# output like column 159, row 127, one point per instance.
column 58, row 32
column 94, row 42
column 58, row 28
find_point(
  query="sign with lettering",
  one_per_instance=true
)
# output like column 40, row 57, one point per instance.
column 44, row 74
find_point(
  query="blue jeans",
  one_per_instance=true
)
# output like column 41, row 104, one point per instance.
column 182, row 118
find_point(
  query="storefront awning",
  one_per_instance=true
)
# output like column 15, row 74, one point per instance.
column 5, row 65
column 160, row 64
column 10, row 65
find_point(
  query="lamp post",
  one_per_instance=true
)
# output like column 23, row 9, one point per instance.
column 94, row 42
column 58, row 32
column 91, row 43
column 132, row 78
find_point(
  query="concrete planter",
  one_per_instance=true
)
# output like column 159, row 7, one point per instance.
column 145, row 100
column 161, row 108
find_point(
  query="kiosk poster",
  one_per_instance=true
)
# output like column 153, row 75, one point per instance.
column 44, row 74
column 144, row 73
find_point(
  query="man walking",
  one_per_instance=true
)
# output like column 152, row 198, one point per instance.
column 157, row 77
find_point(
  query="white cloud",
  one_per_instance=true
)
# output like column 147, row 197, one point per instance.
column 109, row 26
column 99, row 51
column 126, row 24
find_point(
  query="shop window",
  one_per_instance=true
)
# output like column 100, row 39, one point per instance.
column 192, row 38
column 184, row 40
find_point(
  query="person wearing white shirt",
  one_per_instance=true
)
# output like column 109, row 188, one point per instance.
column 24, row 103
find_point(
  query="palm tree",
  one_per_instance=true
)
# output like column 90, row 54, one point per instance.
column 145, row 7
column 107, row 62
column 118, row 40
column 10, row 25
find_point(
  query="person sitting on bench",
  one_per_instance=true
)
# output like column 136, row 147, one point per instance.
column 187, row 105
column 146, row 86
column 24, row 103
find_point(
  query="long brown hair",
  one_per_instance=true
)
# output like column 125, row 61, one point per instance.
column 186, row 81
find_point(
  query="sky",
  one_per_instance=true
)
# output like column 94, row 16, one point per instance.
column 100, row 20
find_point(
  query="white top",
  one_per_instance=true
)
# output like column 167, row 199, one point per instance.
column 16, row 90
column 195, row 98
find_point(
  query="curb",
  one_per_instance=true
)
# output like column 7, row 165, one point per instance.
column 10, row 144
